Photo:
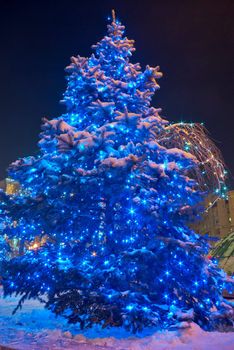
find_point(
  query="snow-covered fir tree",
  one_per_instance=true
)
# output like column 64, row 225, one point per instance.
column 112, row 204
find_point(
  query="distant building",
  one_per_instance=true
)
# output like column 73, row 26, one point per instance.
column 9, row 186
column 218, row 219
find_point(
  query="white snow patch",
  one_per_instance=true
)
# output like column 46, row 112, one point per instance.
column 34, row 328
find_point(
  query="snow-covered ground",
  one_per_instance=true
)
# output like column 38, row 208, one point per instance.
column 34, row 328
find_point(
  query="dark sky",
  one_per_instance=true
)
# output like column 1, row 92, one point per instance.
column 192, row 41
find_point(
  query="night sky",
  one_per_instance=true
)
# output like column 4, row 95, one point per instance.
column 192, row 41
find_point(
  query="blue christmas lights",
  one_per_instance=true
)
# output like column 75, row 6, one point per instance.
column 103, row 209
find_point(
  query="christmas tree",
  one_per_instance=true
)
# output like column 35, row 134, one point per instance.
column 103, row 208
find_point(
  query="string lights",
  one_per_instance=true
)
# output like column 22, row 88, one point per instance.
column 112, row 189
